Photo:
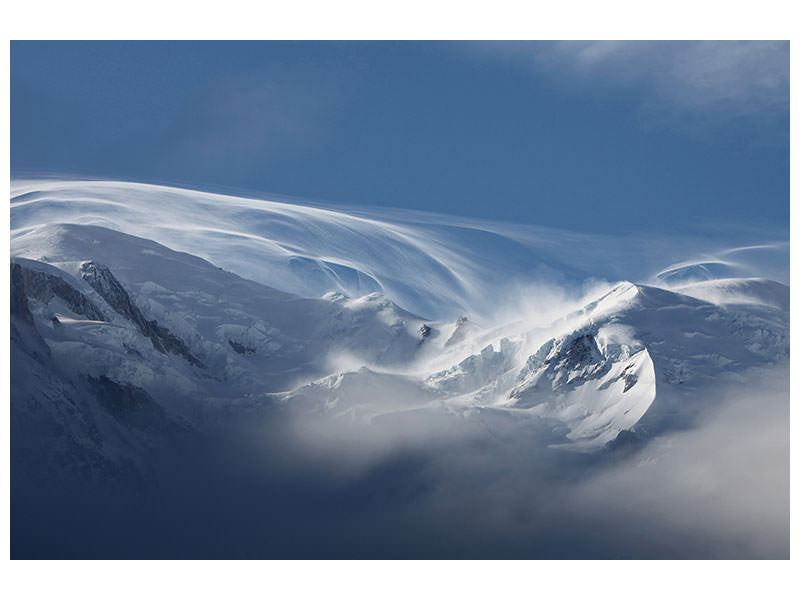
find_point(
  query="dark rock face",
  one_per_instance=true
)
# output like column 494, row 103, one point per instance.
column 105, row 284
column 424, row 331
column 579, row 354
column 240, row 348
column 558, row 364
column 583, row 350
column 110, row 289
column 630, row 381
column 44, row 286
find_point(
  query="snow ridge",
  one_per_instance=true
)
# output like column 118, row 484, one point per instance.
column 433, row 265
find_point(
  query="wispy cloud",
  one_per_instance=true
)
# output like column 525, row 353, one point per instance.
column 714, row 82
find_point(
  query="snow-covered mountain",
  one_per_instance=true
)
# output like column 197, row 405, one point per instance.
column 144, row 315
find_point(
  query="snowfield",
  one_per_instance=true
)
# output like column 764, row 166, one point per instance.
column 143, row 316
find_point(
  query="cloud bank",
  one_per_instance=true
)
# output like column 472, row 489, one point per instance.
column 284, row 485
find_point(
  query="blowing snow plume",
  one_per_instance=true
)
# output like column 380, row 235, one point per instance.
column 215, row 376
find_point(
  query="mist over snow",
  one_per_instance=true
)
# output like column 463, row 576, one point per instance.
column 197, row 375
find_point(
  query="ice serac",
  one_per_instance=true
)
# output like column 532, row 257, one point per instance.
column 480, row 371
column 361, row 395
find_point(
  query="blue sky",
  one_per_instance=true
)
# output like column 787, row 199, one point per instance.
column 604, row 137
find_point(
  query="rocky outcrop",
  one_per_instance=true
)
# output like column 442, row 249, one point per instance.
column 462, row 329
column 241, row 348
column 111, row 290
column 43, row 287
column 560, row 363
column 424, row 332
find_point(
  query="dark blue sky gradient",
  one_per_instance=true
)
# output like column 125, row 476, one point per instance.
column 453, row 128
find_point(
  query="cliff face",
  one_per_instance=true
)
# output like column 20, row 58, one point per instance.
column 43, row 287
column 111, row 290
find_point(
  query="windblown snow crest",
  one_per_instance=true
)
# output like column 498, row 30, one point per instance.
column 147, row 318
column 440, row 266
